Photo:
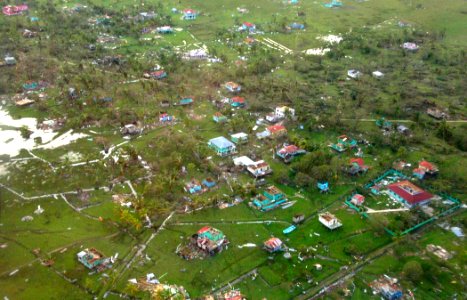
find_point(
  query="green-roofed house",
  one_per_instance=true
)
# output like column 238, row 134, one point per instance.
column 210, row 240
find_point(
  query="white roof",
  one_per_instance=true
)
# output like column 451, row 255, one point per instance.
column 81, row 254
column 243, row 161
column 221, row 142
column 239, row 135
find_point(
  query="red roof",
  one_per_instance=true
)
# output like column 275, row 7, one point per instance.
column 273, row 243
column 427, row 166
column 189, row 11
column 204, row 229
column 419, row 171
column 359, row 198
column 358, row 161
column 248, row 24
column 276, row 128
column 238, row 99
column 289, row 149
column 408, row 191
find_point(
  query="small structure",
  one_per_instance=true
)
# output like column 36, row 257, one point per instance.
column 333, row 4
column 13, row 10
column 276, row 130
column 329, row 220
column 271, row 198
column 196, row 54
column 387, row 287
column 259, row 169
column 237, row 102
column 384, row 124
column 439, row 251
column 219, row 118
column 239, row 138
column 10, row 60
column 357, row 199
column 185, row 102
column 297, row 26
column 209, row 182
column 357, row 166
column 93, row 259
column 165, row 29
column 250, row 27
column 298, row 218
column 323, row 186
column 222, row 146
column 189, row 14
column 410, row 46
column 130, row 129
column 378, row 74
column 288, row 152
column 233, row 87
column 273, row 245
column 263, row 134
column 166, row 118
column 193, row 187
column 402, row 129
column 355, row 74
column 24, row 101
column 210, row 240
column 343, row 143
column 408, row 193
column 159, row 74
column 436, row 113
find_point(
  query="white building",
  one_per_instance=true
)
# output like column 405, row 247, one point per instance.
column 283, row 111
column 355, row 74
column 378, row 74
column 329, row 220
column 259, row 168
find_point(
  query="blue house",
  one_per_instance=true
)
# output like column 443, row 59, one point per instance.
column 219, row 118
column 222, row 146
column 323, row 187
column 93, row 259
column 185, row 101
column 271, row 198
column 189, row 14
column 333, row 3
column 209, row 182
column 193, row 187
column 250, row 27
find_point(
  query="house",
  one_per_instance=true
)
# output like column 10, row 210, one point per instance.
column 263, row 134
column 193, row 187
column 249, row 41
column 402, row 129
column 196, row 54
column 131, row 129
column 343, row 143
column 384, row 124
column 159, row 74
column 376, row 189
column 233, row 87
column 93, row 259
column 284, row 111
column 357, row 199
column 298, row 218
column 323, row 187
column 387, row 287
column 329, row 220
column 410, row 46
column 425, row 168
column 436, row 113
column 276, row 130
column 271, row 198
column 250, row 27
column 219, row 118
column 24, row 101
column 272, row 118
column 377, row 74
column 222, row 146
column 259, row 168
column 165, row 29
column 355, row 74
column 273, row 245
column 189, row 14
column 408, row 193
column 29, row 34
column 357, row 166
column 288, row 152
column 239, row 138
column 237, row 102
column 165, row 118
column 209, row 182
column 210, row 240
column 12, row 10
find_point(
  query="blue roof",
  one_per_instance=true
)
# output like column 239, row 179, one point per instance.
column 221, row 142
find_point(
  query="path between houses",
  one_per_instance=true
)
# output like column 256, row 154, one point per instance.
column 372, row 211
column 403, row 121
column 230, row 222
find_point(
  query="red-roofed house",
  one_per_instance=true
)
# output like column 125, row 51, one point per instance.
column 425, row 168
column 247, row 26
column 276, row 130
column 288, row 152
column 237, row 101
column 357, row 199
column 273, row 244
column 408, row 193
